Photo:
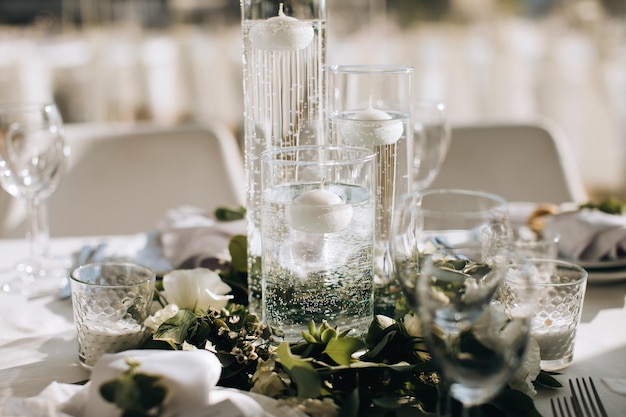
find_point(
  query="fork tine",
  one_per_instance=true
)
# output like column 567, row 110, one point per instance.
column 553, row 407
column 581, row 397
column 561, row 409
column 583, row 400
column 573, row 412
column 598, row 400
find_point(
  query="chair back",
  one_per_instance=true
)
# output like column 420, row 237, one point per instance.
column 122, row 178
column 520, row 162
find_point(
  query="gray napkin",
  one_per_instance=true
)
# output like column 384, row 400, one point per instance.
column 189, row 233
column 589, row 235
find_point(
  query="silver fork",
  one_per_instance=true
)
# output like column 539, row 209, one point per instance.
column 585, row 398
column 561, row 407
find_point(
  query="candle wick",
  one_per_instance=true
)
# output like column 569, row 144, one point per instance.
column 322, row 183
column 371, row 103
column 281, row 11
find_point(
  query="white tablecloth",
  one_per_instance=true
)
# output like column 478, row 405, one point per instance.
column 38, row 340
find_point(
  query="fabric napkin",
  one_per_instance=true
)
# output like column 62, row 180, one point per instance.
column 589, row 235
column 190, row 235
column 190, row 378
column 143, row 248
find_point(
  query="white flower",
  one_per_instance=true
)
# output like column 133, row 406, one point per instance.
column 161, row 316
column 413, row 325
column 528, row 370
column 197, row 289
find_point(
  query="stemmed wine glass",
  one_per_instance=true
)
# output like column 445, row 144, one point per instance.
column 32, row 161
column 431, row 140
column 451, row 253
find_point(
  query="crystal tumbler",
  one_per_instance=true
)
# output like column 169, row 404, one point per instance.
column 110, row 303
column 560, row 290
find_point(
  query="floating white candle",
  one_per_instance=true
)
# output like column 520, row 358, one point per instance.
column 319, row 211
column 281, row 33
column 371, row 127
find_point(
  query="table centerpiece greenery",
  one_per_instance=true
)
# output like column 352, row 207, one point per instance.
column 326, row 373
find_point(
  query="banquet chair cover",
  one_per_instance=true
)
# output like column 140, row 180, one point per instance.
column 122, row 178
column 520, row 162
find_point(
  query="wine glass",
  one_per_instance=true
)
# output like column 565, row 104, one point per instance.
column 32, row 161
column 476, row 321
column 431, row 140
column 450, row 251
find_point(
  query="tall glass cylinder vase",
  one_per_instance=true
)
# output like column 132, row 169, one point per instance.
column 370, row 106
column 284, row 95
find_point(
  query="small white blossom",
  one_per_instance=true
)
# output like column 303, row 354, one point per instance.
column 198, row 289
column 155, row 321
column 189, row 346
column 210, row 347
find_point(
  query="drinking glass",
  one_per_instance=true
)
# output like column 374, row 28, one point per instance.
column 475, row 314
column 32, row 161
column 431, row 140
column 110, row 302
column 370, row 106
column 450, row 250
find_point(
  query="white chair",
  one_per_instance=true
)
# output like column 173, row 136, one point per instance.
column 520, row 162
column 122, row 178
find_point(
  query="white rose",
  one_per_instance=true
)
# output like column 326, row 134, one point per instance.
column 413, row 326
column 197, row 289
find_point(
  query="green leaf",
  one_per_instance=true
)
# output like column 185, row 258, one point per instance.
column 127, row 394
column 328, row 335
column 350, row 404
column 176, row 329
column 378, row 328
column 238, row 248
column 107, row 390
column 547, row 380
column 308, row 337
column 227, row 214
column 302, row 372
column 341, row 350
column 514, row 403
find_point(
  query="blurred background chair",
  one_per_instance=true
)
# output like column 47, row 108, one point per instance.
column 520, row 162
column 122, row 178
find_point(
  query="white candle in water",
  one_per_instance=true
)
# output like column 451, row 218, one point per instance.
column 319, row 211
column 281, row 33
column 371, row 127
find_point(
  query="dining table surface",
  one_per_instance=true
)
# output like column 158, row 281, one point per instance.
column 38, row 338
